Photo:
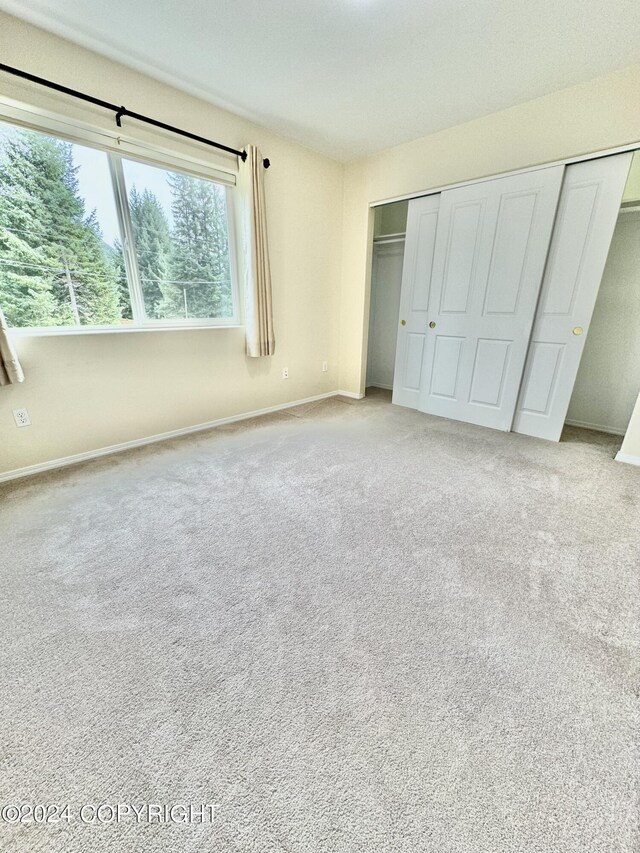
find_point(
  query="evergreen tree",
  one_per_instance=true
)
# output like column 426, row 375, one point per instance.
column 92, row 273
column 26, row 274
column 25, row 283
column 200, row 274
column 51, row 253
column 153, row 248
column 124, row 297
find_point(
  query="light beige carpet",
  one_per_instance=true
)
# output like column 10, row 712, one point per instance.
column 351, row 626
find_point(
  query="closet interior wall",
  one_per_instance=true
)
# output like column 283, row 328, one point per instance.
column 386, row 280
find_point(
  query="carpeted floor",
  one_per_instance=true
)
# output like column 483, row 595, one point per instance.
column 351, row 626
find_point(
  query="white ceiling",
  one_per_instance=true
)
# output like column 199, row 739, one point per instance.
column 349, row 77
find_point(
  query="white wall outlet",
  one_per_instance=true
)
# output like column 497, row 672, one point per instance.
column 285, row 372
column 21, row 417
column 325, row 366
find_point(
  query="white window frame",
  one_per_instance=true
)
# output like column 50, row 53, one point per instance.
column 118, row 147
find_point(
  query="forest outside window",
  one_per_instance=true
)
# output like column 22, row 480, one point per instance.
column 94, row 240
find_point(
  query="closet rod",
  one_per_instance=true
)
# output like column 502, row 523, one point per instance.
column 395, row 239
column 121, row 111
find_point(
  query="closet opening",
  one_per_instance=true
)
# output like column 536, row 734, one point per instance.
column 608, row 379
column 390, row 222
column 513, row 302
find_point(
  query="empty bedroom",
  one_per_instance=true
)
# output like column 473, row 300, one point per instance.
column 319, row 426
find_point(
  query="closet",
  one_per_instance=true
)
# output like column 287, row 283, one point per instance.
column 608, row 380
column 386, row 278
column 499, row 283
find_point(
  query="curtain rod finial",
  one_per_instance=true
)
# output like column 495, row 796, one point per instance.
column 266, row 162
column 243, row 156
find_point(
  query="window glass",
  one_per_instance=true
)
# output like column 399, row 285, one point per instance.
column 181, row 243
column 59, row 249
column 62, row 254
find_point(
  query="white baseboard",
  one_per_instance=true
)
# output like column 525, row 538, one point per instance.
column 162, row 436
column 380, row 385
column 351, row 394
column 597, row 427
column 625, row 457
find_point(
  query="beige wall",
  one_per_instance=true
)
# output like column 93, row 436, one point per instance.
column 89, row 391
column 594, row 116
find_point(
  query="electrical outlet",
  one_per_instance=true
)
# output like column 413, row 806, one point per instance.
column 21, row 417
column 285, row 372
column 325, row 366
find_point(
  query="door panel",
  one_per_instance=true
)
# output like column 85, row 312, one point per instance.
column 447, row 357
column 507, row 263
column 544, row 360
column 587, row 214
column 489, row 256
column 422, row 221
column 412, row 366
column 576, row 207
column 426, row 237
column 489, row 372
column 461, row 256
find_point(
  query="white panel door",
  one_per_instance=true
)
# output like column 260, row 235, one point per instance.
column 489, row 258
column 589, row 204
column 422, row 221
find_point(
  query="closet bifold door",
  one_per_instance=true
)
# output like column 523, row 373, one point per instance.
column 422, row 221
column 589, row 205
column 491, row 246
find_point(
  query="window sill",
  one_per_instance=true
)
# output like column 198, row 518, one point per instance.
column 62, row 331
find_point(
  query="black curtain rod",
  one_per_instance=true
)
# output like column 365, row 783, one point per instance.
column 123, row 111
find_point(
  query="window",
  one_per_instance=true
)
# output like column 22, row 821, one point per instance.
column 92, row 239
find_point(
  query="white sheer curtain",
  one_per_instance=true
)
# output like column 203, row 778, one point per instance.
column 10, row 369
column 258, row 308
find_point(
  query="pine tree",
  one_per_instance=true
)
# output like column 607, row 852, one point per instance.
column 51, row 252
column 200, row 270
column 116, row 254
column 26, row 276
column 92, row 273
column 153, row 248
column 25, row 284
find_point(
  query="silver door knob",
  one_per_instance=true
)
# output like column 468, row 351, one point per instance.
column 578, row 330
column 432, row 325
